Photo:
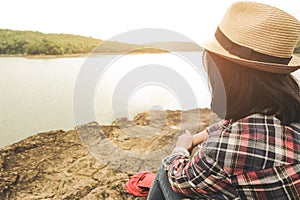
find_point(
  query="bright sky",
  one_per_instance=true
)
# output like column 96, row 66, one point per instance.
column 195, row 19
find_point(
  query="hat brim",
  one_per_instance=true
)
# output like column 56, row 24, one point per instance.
column 214, row 47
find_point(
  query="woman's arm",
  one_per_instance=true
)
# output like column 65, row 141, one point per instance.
column 200, row 175
column 199, row 137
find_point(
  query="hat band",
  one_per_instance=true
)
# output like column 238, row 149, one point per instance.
column 245, row 52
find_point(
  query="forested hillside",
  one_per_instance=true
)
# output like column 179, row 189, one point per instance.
column 37, row 43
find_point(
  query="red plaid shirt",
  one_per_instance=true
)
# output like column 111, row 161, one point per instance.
column 253, row 158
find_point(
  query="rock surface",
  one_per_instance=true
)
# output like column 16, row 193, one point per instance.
column 92, row 161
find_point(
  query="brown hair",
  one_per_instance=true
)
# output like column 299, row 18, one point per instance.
column 238, row 91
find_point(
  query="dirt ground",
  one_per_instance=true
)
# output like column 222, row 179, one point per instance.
column 93, row 161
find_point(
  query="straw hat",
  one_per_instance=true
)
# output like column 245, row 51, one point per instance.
column 257, row 36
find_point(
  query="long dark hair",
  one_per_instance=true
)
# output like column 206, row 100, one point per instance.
column 239, row 91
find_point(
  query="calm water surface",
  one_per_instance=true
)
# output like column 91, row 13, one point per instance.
column 37, row 94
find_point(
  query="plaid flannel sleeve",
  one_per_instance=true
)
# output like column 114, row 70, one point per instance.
column 199, row 176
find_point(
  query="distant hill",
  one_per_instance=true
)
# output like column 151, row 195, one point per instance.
column 14, row 42
column 176, row 46
column 37, row 43
column 120, row 47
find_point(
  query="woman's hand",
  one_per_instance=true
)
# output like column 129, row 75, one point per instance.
column 189, row 141
column 185, row 140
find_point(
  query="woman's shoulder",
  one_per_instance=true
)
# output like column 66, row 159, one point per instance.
column 254, row 135
column 257, row 122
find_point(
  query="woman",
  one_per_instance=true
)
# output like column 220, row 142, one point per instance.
column 254, row 153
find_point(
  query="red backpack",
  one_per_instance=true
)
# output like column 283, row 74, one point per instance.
column 139, row 184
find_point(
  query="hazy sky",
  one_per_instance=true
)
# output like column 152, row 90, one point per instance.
column 197, row 19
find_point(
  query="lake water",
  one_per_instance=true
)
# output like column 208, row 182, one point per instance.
column 37, row 95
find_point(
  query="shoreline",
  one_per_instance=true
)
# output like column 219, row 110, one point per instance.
column 42, row 56
column 133, row 52
column 112, row 123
